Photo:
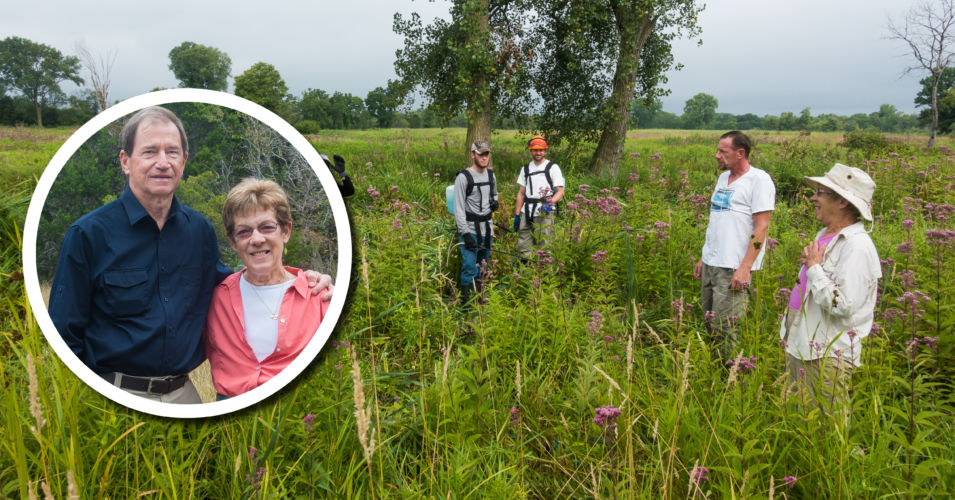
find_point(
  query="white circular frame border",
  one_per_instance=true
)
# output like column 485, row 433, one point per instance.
column 341, row 277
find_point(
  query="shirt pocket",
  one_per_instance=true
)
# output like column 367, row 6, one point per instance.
column 126, row 292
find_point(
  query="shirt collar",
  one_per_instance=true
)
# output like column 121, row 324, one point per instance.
column 136, row 212
column 857, row 227
column 301, row 281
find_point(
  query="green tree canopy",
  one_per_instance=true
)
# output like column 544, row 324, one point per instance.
column 595, row 57
column 262, row 84
column 700, row 110
column 200, row 66
column 382, row 103
column 36, row 70
column 473, row 63
column 946, row 100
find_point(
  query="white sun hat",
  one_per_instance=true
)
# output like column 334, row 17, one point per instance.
column 851, row 183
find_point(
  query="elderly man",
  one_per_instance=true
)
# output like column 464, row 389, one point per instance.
column 831, row 307
column 135, row 277
column 740, row 209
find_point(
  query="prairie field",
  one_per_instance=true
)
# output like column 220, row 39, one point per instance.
column 519, row 396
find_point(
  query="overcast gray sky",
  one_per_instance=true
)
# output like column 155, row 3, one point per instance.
column 758, row 56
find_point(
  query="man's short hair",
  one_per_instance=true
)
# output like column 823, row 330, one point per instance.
column 128, row 136
column 252, row 195
column 740, row 141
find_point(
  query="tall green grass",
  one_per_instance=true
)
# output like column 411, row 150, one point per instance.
column 501, row 402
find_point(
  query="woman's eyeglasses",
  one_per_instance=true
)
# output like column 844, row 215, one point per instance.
column 265, row 228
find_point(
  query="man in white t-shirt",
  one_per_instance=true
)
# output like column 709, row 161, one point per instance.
column 540, row 187
column 740, row 209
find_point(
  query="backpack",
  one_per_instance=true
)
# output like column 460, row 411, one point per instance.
column 449, row 191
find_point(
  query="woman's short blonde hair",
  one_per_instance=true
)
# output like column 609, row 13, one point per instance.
column 252, row 195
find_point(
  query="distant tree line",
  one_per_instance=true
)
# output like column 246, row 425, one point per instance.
column 30, row 74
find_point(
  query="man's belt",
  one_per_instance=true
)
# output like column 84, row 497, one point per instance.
column 149, row 385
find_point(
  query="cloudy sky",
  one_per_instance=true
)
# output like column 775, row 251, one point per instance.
column 757, row 56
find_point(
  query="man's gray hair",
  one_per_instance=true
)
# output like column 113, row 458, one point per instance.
column 128, row 137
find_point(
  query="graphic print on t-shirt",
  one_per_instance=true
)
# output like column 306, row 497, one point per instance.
column 721, row 200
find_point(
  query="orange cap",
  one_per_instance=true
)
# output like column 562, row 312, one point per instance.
column 537, row 142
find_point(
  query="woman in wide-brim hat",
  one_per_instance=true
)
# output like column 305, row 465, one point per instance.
column 831, row 307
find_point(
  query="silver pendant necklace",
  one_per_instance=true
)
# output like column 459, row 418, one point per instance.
column 273, row 312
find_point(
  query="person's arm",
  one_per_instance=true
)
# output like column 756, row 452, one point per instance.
column 742, row 275
column 460, row 204
column 519, row 203
column 558, row 195
column 71, row 295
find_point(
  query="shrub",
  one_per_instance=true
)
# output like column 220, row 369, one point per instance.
column 306, row 127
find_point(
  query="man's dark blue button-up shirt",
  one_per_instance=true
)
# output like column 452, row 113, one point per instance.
column 130, row 298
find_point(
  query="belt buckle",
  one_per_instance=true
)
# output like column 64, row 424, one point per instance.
column 149, row 387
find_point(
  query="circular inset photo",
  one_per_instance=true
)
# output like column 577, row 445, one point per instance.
column 180, row 250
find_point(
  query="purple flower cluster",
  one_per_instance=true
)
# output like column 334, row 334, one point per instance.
column 599, row 257
column 373, row 192
column 607, row 417
column 679, row 307
column 543, row 256
column 307, row 420
column 940, row 237
column 596, row 321
column 912, row 300
column 789, row 481
column 745, row 364
column 699, row 474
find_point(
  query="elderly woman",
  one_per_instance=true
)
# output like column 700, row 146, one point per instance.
column 831, row 308
column 262, row 317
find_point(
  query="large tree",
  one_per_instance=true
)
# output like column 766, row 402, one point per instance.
column 36, row 70
column 699, row 111
column 926, row 29
column 99, row 67
column 598, row 56
column 199, row 66
column 473, row 63
column 382, row 104
column 262, row 84
column 946, row 100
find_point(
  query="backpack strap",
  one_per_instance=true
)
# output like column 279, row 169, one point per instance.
column 470, row 185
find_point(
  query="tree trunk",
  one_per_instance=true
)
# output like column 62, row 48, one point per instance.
column 931, row 138
column 39, row 116
column 479, row 100
column 634, row 28
column 479, row 124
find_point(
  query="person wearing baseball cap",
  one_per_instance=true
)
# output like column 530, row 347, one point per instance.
column 540, row 187
column 832, row 305
column 475, row 200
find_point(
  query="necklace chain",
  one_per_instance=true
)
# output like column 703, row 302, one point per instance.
column 273, row 312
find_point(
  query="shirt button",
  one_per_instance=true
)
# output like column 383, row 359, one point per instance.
column 283, row 320
column 163, row 268
column 278, row 349
column 165, row 299
column 257, row 367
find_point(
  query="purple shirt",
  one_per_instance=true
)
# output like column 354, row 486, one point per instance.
column 795, row 299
